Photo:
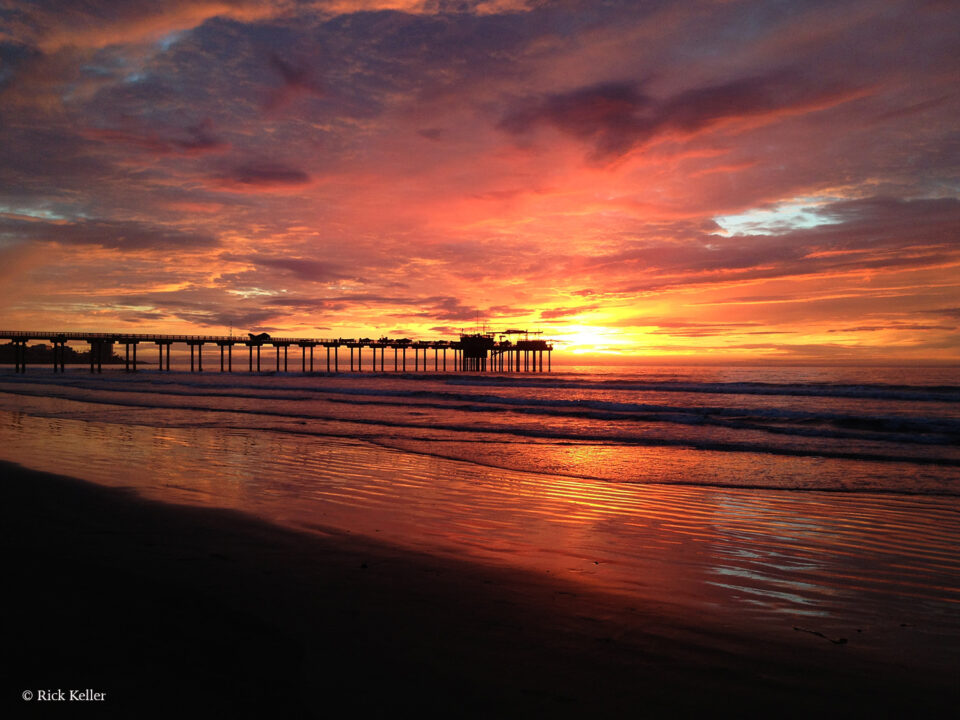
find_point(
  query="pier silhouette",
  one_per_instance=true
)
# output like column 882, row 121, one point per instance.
column 473, row 352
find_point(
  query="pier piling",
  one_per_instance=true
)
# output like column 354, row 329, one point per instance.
column 471, row 353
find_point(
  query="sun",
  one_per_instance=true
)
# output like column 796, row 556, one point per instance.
column 586, row 338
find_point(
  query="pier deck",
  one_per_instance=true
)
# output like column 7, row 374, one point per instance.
column 471, row 353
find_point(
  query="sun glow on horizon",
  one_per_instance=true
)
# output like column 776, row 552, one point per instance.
column 593, row 339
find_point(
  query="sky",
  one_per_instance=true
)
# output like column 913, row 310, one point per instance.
column 712, row 180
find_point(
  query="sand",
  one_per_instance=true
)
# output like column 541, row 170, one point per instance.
column 172, row 610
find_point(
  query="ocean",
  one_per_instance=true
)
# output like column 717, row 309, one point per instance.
column 827, row 497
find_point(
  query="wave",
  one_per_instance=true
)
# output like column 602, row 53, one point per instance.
column 601, row 434
column 909, row 428
column 294, row 382
column 875, row 391
column 913, row 429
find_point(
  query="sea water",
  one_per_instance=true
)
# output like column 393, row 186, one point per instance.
column 824, row 493
column 886, row 430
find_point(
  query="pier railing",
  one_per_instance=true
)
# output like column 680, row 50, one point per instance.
column 472, row 353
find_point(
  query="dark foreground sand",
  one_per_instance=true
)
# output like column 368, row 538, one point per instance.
column 180, row 611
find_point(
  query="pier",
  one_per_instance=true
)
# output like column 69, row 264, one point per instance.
column 477, row 352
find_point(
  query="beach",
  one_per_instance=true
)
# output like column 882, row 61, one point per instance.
column 165, row 607
column 301, row 546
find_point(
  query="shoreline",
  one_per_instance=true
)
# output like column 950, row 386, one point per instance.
column 166, row 606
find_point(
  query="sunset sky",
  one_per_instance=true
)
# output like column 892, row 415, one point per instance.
column 705, row 180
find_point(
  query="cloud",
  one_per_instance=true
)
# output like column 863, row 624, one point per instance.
column 58, row 24
column 871, row 234
column 110, row 234
column 201, row 306
column 690, row 329
column 890, row 326
column 554, row 313
column 617, row 117
column 412, row 307
column 192, row 140
column 611, row 116
column 256, row 176
column 302, row 268
column 297, row 80
column 950, row 312
column 431, row 133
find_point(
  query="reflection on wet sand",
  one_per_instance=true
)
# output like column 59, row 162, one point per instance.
column 844, row 560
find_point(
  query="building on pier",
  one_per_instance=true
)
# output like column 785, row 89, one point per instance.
column 476, row 348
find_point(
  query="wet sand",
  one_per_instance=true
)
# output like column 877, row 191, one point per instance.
column 175, row 609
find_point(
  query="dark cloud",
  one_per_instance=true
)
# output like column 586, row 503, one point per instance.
column 612, row 116
column 298, row 79
column 201, row 306
column 115, row 235
column 617, row 117
column 252, row 318
column 305, row 302
column 951, row 312
column 447, row 308
column 303, row 268
column 12, row 56
column 192, row 140
column 453, row 309
column 45, row 159
column 222, row 318
column 890, row 326
column 262, row 175
column 295, row 75
column 435, row 307
column 430, row 133
column 140, row 316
